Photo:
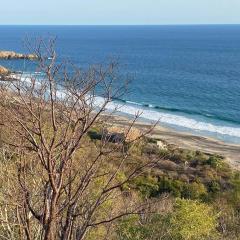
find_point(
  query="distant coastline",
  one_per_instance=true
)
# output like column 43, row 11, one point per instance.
column 186, row 76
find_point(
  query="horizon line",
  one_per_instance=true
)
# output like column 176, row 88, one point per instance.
column 171, row 24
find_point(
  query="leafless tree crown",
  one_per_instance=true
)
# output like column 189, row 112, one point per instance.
column 65, row 183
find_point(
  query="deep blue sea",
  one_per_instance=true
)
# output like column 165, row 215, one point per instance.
column 188, row 77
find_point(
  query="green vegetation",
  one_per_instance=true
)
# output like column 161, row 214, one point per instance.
column 192, row 220
column 188, row 220
column 195, row 183
column 187, row 186
column 192, row 182
column 67, row 173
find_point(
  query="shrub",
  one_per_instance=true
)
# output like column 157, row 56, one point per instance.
column 94, row 135
column 170, row 186
column 130, row 229
column 200, row 156
column 214, row 187
column 215, row 162
column 146, row 185
column 168, row 165
column 153, row 227
column 234, row 193
column 192, row 220
column 151, row 148
column 151, row 140
column 194, row 191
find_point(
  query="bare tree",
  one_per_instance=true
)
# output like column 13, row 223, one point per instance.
column 65, row 183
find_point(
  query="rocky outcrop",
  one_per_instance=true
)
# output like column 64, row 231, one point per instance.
column 8, row 76
column 5, row 74
column 4, row 71
column 14, row 55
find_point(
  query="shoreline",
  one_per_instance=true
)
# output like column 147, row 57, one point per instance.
column 185, row 140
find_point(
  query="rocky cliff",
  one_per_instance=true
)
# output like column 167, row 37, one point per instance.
column 14, row 55
column 4, row 71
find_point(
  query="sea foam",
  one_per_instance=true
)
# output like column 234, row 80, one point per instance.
column 173, row 119
column 150, row 114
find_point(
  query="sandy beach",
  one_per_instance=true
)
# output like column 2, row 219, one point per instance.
column 231, row 152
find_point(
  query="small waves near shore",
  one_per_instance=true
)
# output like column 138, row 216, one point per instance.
column 187, row 77
column 181, row 121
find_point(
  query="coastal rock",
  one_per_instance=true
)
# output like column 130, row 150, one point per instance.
column 7, row 76
column 14, row 55
column 3, row 71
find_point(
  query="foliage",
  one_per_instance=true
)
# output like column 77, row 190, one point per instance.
column 174, row 187
column 67, row 180
column 130, row 229
column 214, row 187
column 146, row 185
column 192, row 220
column 217, row 162
column 154, row 227
column 194, row 191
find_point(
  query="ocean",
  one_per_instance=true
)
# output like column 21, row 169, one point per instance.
column 187, row 77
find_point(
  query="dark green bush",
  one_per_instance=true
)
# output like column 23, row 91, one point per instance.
column 194, row 191
column 146, row 185
column 94, row 135
column 214, row 187
column 215, row 162
column 174, row 187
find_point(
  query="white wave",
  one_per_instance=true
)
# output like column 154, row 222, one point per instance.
column 172, row 119
column 162, row 117
column 134, row 103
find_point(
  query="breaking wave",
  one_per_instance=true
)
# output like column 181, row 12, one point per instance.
column 168, row 116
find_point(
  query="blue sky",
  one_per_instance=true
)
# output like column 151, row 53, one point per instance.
column 122, row 12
